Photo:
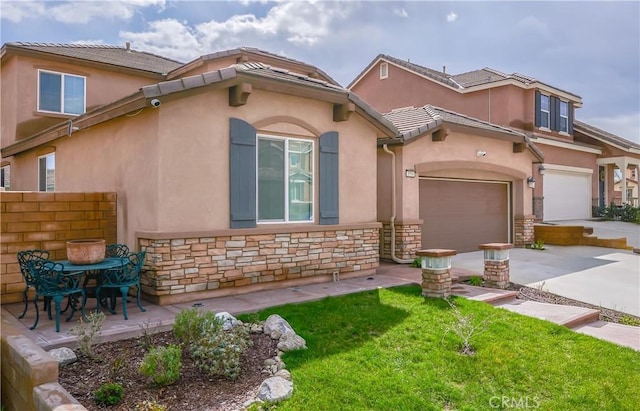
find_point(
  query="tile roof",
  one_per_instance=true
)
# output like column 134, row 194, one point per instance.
column 459, row 81
column 409, row 118
column 604, row 136
column 106, row 54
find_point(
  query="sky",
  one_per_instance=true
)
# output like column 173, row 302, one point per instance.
column 591, row 49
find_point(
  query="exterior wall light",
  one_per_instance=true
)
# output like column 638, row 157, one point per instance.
column 410, row 173
column 541, row 169
column 531, row 182
column 481, row 153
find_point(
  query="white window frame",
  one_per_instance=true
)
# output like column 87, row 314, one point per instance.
column 286, row 173
column 564, row 120
column 548, row 111
column 40, row 159
column 384, row 70
column 5, row 180
column 63, row 76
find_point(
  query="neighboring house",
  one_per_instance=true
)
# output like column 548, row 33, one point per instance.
column 229, row 171
column 567, row 180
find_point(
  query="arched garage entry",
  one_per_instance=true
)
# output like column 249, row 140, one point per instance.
column 460, row 214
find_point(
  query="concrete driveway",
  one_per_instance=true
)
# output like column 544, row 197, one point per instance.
column 601, row 276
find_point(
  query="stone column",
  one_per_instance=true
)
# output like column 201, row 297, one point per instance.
column 436, row 272
column 496, row 264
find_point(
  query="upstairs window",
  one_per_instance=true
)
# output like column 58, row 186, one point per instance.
column 384, row 71
column 553, row 114
column 545, row 111
column 5, row 181
column 564, row 117
column 61, row 93
column 47, row 172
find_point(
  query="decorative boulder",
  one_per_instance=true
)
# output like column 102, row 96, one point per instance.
column 291, row 341
column 64, row 356
column 275, row 389
column 228, row 320
column 275, row 326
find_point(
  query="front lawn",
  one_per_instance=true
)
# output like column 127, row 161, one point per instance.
column 387, row 350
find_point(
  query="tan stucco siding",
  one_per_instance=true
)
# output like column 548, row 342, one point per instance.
column 194, row 149
column 101, row 87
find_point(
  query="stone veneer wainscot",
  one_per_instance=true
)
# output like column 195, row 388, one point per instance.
column 408, row 239
column 184, row 267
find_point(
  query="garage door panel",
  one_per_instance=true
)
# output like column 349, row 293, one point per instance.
column 567, row 195
column 461, row 215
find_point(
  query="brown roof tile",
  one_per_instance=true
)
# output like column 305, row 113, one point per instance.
column 106, row 54
column 604, row 136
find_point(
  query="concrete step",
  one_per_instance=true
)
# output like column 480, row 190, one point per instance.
column 625, row 335
column 488, row 295
column 566, row 315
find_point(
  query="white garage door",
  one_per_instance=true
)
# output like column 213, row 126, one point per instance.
column 567, row 195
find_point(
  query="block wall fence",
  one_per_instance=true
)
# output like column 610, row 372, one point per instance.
column 186, row 266
column 45, row 221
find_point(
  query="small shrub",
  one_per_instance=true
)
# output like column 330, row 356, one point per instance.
column 162, row 364
column 465, row 327
column 219, row 352
column 191, row 324
column 475, row 280
column 146, row 338
column 150, row 405
column 629, row 320
column 109, row 394
column 417, row 263
column 117, row 366
column 538, row 245
column 87, row 331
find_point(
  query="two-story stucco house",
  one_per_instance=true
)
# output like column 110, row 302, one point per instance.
column 238, row 169
column 577, row 165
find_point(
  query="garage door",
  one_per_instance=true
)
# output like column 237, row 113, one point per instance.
column 461, row 214
column 567, row 195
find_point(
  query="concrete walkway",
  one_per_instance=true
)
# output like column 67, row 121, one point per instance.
column 388, row 275
column 600, row 276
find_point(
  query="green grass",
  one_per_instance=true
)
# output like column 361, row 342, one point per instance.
column 388, row 350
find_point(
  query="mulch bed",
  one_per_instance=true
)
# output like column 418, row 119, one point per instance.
column 194, row 390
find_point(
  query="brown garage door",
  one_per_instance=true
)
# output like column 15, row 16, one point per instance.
column 460, row 215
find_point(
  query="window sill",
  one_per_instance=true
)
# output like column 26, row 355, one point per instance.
column 564, row 133
column 54, row 115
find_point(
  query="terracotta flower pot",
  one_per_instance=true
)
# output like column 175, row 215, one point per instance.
column 86, row 251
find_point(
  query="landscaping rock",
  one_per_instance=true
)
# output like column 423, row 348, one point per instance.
column 229, row 321
column 277, row 324
column 291, row 342
column 275, row 389
column 284, row 374
column 64, row 356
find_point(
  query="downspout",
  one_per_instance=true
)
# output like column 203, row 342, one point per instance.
column 393, row 208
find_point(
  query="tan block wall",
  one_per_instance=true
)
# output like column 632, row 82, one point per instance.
column 226, row 260
column 45, row 221
column 30, row 376
column 408, row 240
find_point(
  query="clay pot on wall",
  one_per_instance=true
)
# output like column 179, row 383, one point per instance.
column 86, row 251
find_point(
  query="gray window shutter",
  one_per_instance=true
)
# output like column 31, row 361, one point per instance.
column 537, row 109
column 242, row 174
column 328, row 179
column 570, row 128
column 554, row 111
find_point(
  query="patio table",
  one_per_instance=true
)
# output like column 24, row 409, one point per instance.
column 91, row 271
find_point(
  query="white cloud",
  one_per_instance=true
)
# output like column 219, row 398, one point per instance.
column 300, row 23
column 451, row 17
column 16, row 11
column 626, row 126
column 77, row 12
column 401, row 12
